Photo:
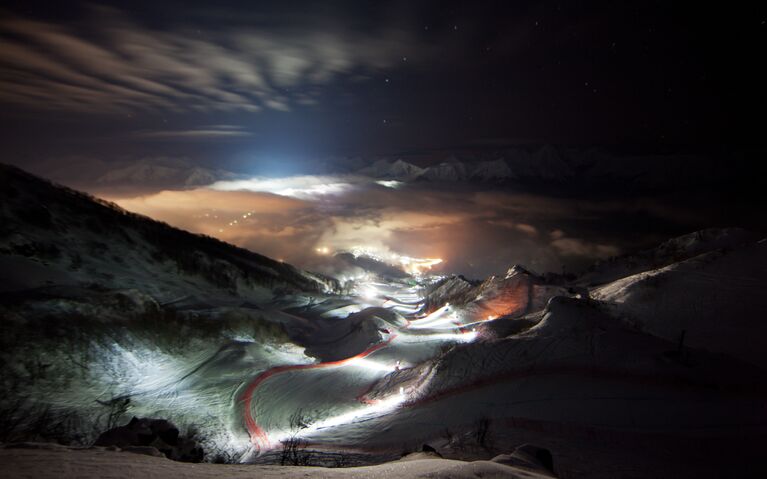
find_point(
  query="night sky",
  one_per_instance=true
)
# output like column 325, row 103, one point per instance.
column 364, row 77
column 286, row 88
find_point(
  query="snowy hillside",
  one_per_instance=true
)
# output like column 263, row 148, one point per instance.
column 51, row 235
column 106, row 315
column 671, row 251
column 711, row 301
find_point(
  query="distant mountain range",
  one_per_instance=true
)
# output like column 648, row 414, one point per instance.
column 549, row 165
column 591, row 169
column 151, row 172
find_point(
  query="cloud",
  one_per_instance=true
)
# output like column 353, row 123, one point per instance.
column 528, row 229
column 579, row 247
column 118, row 65
column 290, row 217
column 204, row 133
column 509, row 224
column 305, row 186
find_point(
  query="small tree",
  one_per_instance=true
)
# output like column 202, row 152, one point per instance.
column 483, row 426
column 294, row 447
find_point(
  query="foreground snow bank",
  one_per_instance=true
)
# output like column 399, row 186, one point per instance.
column 52, row 461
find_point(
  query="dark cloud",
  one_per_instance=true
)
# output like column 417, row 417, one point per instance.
column 119, row 65
column 209, row 132
column 359, row 77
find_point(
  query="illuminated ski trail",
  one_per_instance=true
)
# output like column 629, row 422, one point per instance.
column 258, row 436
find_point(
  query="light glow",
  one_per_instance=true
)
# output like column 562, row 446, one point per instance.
column 394, row 184
column 437, row 318
column 302, row 187
column 378, row 408
column 369, row 292
column 371, row 365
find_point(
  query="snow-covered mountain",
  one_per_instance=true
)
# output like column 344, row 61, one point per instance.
column 544, row 164
column 450, row 170
column 106, row 315
column 589, row 168
column 711, row 301
column 54, row 235
column 394, row 170
column 162, row 172
column 670, row 251
column 492, row 171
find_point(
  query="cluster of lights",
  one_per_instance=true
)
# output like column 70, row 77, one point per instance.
column 234, row 222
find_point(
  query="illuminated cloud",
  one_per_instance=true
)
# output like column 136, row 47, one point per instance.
column 528, row 229
column 306, row 219
column 557, row 234
column 305, row 187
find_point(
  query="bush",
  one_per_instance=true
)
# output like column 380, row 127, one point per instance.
column 294, row 451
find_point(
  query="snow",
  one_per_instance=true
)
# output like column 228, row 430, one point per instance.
column 670, row 251
column 715, row 298
column 496, row 170
column 557, row 166
column 55, row 462
column 599, row 378
column 450, row 170
column 395, row 170
column 162, row 172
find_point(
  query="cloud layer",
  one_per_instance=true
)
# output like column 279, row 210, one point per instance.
column 475, row 233
column 122, row 66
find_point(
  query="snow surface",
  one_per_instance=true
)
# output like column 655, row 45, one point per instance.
column 55, row 462
column 715, row 298
column 232, row 344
